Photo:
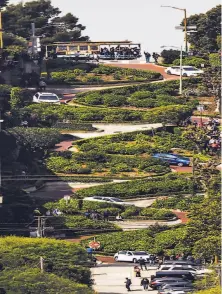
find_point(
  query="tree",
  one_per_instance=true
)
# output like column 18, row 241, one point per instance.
column 208, row 30
column 211, row 80
column 3, row 3
column 31, row 280
column 17, row 20
column 170, row 55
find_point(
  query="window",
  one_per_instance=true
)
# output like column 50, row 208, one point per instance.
column 83, row 48
column 62, row 48
column 164, row 268
column 37, row 95
column 51, row 98
column 94, row 48
column 190, row 68
column 73, row 48
column 98, row 198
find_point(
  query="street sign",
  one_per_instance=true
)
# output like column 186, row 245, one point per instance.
column 94, row 244
column 188, row 28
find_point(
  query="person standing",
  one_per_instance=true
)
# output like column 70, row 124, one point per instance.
column 128, row 284
column 147, row 56
column 142, row 263
column 145, row 283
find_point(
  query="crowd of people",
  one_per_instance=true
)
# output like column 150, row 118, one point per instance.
column 120, row 52
column 95, row 215
column 155, row 57
column 213, row 142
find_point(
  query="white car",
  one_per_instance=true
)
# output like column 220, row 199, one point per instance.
column 131, row 256
column 187, row 71
column 113, row 200
column 174, row 267
column 46, row 97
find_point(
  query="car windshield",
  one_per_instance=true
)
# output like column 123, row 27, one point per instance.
column 51, row 98
column 116, row 199
column 140, row 253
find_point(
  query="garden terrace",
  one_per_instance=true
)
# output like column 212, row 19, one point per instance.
column 156, row 240
column 100, row 75
column 54, row 113
column 72, row 210
column 101, row 164
column 166, row 185
column 145, row 142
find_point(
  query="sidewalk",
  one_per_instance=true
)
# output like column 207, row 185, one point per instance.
column 110, row 278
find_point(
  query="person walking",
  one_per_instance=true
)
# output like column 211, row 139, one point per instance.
column 106, row 215
column 145, row 283
column 128, row 284
column 142, row 263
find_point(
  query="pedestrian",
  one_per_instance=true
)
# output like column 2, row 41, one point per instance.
column 106, row 215
column 36, row 212
column 42, row 85
column 89, row 252
column 137, row 271
column 128, row 284
column 145, row 283
column 152, row 259
column 147, row 56
column 119, row 217
column 142, row 263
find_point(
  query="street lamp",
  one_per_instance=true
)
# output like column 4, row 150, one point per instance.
column 185, row 22
column 181, row 66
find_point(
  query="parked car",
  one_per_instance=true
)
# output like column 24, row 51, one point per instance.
column 113, row 200
column 167, row 291
column 131, row 256
column 158, row 282
column 46, row 98
column 173, row 159
column 180, row 262
column 175, row 289
column 176, row 274
column 187, row 71
column 177, row 267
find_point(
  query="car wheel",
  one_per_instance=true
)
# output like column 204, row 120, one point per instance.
column 134, row 260
column 180, row 164
column 116, row 258
column 184, row 75
column 169, row 72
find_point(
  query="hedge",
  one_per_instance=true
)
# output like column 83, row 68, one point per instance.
column 155, row 240
column 136, row 143
column 141, row 188
column 55, row 113
column 178, row 202
column 98, row 161
column 36, row 138
column 192, row 61
column 20, row 97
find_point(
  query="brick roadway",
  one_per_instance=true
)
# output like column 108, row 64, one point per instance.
column 63, row 146
column 148, row 66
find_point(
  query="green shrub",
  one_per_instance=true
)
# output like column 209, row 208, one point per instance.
column 215, row 59
column 36, row 138
column 17, row 252
column 54, row 113
column 192, row 61
column 131, row 211
column 153, row 240
column 31, row 280
column 145, row 187
column 19, row 97
column 157, row 214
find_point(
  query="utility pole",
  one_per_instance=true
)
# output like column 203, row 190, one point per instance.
column 185, row 23
column 181, row 71
column 185, row 30
column 39, row 231
column 1, row 197
column 1, row 38
column 42, row 264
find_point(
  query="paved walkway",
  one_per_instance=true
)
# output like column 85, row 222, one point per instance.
column 110, row 279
